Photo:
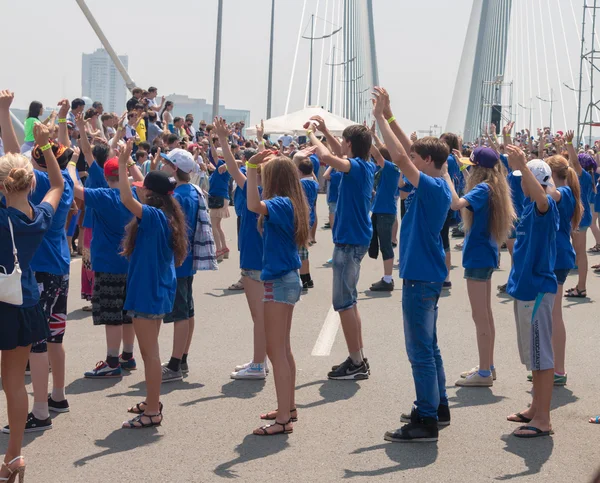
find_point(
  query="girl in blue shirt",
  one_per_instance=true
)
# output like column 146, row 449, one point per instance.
column 218, row 200
column 155, row 243
column 22, row 324
column 488, row 214
column 251, row 260
column 568, row 199
column 284, row 216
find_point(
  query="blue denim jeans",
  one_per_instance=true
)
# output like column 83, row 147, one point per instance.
column 346, row 271
column 420, row 311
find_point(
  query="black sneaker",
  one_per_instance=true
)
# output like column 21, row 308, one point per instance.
column 58, row 406
column 347, row 371
column 447, row 285
column 502, row 288
column 33, row 424
column 457, row 233
column 335, row 368
column 425, row 430
column 443, row 413
column 307, row 285
column 382, row 286
column 326, row 226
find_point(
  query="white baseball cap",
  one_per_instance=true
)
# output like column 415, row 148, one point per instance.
column 540, row 169
column 182, row 160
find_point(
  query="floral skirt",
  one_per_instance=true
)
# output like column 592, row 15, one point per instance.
column 87, row 275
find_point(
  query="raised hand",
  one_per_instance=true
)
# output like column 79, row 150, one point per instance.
column 64, row 108
column 320, row 123
column 413, row 137
column 569, row 135
column 260, row 130
column 125, row 154
column 41, row 134
column 79, row 122
column 516, row 158
column 384, row 98
column 6, row 98
column 221, row 128
column 260, row 158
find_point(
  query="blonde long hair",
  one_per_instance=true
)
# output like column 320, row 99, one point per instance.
column 501, row 213
column 280, row 178
column 561, row 169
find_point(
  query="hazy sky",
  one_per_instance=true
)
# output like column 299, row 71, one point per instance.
column 171, row 45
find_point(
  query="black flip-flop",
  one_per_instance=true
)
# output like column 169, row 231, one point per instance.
column 522, row 419
column 537, row 432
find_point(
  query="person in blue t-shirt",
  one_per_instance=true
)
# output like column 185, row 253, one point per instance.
column 109, row 219
column 311, row 191
column 218, row 199
column 533, row 285
column 352, row 233
column 384, row 211
column 284, row 216
column 181, row 164
column 568, row 199
column 488, row 215
column 333, row 190
column 316, row 167
column 22, row 228
column 583, row 164
column 422, row 268
column 251, row 258
column 156, row 241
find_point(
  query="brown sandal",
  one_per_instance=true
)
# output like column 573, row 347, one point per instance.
column 262, row 431
column 272, row 415
column 137, row 409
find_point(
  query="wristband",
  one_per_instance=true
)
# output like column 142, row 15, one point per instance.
column 71, row 163
column 263, row 142
column 309, row 132
column 130, row 164
column 45, row 147
column 570, row 143
column 251, row 166
column 391, row 119
column 462, row 167
column 62, row 121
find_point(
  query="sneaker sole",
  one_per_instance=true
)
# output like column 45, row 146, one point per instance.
column 474, row 385
column 416, row 440
column 381, row 289
column 353, row 377
column 440, row 423
column 249, row 378
column 103, row 377
column 59, row 410
column 164, row 381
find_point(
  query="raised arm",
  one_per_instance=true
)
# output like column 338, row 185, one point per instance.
column 341, row 164
column 506, row 134
column 253, row 196
column 377, row 156
column 573, row 158
column 260, row 135
column 458, row 203
column 72, row 170
column 63, row 134
column 327, row 173
column 127, row 198
column 232, row 166
column 9, row 138
column 375, row 137
column 537, row 193
column 333, row 142
column 160, row 106
column 41, row 134
column 84, row 143
column 382, row 109
column 399, row 133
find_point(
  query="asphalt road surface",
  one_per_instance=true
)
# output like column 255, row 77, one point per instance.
column 206, row 433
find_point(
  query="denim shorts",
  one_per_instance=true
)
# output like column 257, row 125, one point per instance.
column 141, row 315
column 252, row 274
column 346, row 271
column 284, row 290
column 479, row 274
column 332, row 207
column 561, row 275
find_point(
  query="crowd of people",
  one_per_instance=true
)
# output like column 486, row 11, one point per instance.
column 142, row 195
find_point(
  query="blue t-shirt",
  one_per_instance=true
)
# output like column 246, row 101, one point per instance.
column 311, row 190
column 219, row 183
column 565, row 254
column 278, row 239
column 534, row 254
column 316, row 164
column 151, row 279
column 187, row 196
column 95, row 179
column 238, row 199
column 333, row 189
column 480, row 249
column 109, row 222
column 422, row 255
column 385, row 194
column 54, row 254
column 29, row 234
column 250, row 240
column 587, row 191
column 516, row 193
column 352, row 221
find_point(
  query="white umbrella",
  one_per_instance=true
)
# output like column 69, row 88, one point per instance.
column 293, row 123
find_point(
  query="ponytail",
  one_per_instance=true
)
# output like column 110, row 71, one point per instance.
column 573, row 183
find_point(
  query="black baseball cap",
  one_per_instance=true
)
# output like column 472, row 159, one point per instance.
column 159, row 182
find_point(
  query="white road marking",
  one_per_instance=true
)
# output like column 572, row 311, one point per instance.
column 327, row 335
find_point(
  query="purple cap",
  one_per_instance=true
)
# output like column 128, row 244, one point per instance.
column 484, row 157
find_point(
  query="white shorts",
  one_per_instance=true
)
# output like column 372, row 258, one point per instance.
column 534, row 331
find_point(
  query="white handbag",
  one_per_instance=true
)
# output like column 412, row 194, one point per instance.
column 10, row 283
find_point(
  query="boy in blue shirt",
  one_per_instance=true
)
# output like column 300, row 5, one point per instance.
column 352, row 233
column 533, row 285
column 311, row 191
column 423, row 270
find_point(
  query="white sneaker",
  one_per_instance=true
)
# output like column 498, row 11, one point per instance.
column 474, row 370
column 247, row 365
column 475, row 380
column 253, row 371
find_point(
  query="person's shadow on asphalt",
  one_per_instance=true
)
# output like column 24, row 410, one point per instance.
column 122, row 440
column 253, row 447
column 139, row 388
column 234, row 389
column 534, row 453
column 473, row 396
column 406, row 456
column 330, row 391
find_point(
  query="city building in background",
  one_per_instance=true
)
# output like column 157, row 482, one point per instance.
column 203, row 111
column 101, row 81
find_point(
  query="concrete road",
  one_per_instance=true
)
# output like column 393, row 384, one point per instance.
column 209, row 418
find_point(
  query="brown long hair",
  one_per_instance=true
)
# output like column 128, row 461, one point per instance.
column 502, row 213
column 561, row 169
column 171, row 208
column 280, row 178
